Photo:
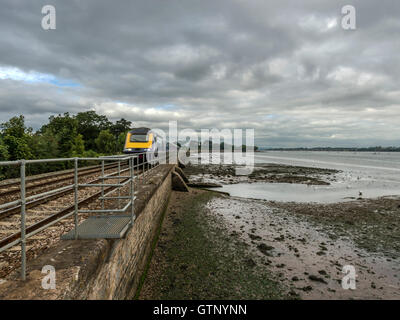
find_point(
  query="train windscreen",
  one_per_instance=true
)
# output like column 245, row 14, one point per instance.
column 139, row 138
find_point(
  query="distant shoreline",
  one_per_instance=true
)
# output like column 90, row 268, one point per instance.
column 391, row 149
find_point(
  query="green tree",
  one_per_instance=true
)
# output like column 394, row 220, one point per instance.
column 64, row 128
column 17, row 138
column 78, row 148
column 15, row 127
column 120, row 126
column 4, row 155
column 121, row 142
column 90, row 124
column 45, row 146
column 18, row 148
column 105, row 142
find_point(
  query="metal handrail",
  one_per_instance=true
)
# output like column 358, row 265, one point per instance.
column 149, row 165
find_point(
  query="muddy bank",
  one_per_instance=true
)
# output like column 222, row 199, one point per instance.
column 307, row 244
column 197, row 257
column 214, row 246
column 271, row 173
column 373, row 224
column 309, row 256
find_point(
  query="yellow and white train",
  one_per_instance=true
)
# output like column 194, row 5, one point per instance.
column 143, row 141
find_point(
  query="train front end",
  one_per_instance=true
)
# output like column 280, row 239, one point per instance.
column 139, row 141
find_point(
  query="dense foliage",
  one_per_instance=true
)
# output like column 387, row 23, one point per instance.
column 86, row 134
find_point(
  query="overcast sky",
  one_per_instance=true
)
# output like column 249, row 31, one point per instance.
column 285, row 68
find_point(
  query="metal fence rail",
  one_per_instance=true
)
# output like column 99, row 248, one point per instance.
column 140, row 162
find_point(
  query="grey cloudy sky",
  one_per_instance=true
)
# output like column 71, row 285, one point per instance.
column 285, row 68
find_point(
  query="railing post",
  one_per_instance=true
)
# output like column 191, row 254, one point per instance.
column 76, row 190
column 23, row 226
column 119, row 181
column 143, row 164
column 102, row 187
column 132, row 191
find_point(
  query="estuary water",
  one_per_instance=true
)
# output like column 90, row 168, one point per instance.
column 369, row 174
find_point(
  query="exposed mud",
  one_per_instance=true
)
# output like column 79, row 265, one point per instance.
column 304, row 255
column 373, row 224
column 272, row 173
column 306, row 245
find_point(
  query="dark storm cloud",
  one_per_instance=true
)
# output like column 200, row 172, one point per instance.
column 285, row 68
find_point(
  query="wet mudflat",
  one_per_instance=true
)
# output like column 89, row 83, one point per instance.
column 213, row 246
column 308, row 255
column 216, row 246
column 267, row 173
column 320, row 223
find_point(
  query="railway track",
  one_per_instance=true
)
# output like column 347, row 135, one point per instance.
column 36, row 202
column 51, row 211
column 36, row 184
column 49, row 208
column 66, row 194
column 55, row 208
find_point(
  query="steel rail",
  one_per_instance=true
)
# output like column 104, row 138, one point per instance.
column 36, row 200
column 27, row 231
column 63, row 176
column 44, row 222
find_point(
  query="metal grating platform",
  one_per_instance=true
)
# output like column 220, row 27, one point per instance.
column 102, row 227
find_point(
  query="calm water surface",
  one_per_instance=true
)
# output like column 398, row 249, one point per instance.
column 372, row 174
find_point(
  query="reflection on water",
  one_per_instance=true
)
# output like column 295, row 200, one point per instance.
column 383, row 163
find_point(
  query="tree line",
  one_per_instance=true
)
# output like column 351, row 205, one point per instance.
column 86, row 134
